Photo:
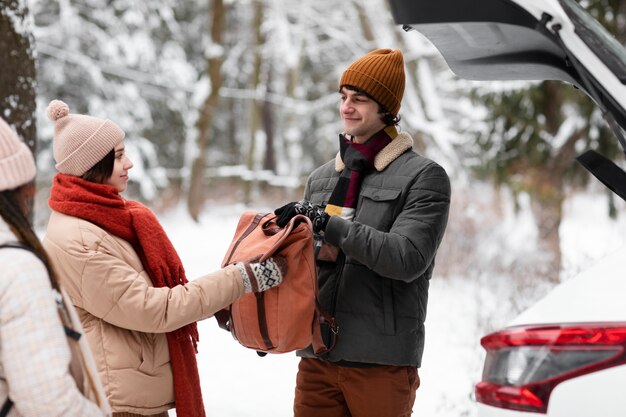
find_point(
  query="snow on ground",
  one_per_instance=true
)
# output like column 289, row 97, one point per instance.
column 236, row 382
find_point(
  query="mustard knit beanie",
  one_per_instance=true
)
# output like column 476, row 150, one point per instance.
column 380, row 74
column 80, row 141
column 17, row 165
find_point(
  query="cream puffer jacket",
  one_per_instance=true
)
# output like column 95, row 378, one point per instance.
column 124, row 317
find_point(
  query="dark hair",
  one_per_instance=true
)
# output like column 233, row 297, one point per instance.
column 387, row 118
column 102, row 171
column 16, row 219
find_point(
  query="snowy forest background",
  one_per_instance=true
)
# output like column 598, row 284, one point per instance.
column 229, row 105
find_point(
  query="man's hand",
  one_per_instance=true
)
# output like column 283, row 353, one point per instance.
column 313, row 211
column 286, row 213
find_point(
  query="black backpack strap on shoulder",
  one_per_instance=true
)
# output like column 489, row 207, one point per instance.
column 6, row 407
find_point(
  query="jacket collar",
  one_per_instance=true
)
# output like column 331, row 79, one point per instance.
column 387, row 155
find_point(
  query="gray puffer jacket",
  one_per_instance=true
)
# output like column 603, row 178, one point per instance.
column 378, row 288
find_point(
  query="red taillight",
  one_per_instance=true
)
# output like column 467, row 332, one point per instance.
column 524, row 364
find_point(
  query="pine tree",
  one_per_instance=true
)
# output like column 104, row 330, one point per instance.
column 531, row 138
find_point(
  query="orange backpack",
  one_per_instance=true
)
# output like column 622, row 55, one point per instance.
column 287, row 317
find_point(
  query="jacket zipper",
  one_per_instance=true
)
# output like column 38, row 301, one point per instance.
column 338, row 273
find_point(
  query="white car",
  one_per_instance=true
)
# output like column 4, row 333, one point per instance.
column 566, row 355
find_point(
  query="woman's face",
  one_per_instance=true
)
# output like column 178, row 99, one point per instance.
column 121, row 166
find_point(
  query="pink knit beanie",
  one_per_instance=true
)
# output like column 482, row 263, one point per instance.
column 80, row 141
column 17, row 165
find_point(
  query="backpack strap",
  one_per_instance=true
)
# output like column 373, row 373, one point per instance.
column 223, row 316
column 58, row 298
column 8, row 404
column 6, row 407
column 321, row 317
column 255, row 222
column 318, row 345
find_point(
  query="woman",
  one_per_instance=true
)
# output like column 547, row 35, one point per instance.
column 41, row 373
column 125, row 277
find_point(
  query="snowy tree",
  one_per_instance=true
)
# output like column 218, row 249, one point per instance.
column 17, row 70
column 125, row 61
column 277, row 117
column 228, row 115
column 195, row 196
column 530, row 140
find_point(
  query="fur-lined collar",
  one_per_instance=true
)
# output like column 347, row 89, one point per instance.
column 387, row 155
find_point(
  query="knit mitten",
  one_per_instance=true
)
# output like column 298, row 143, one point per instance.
column 261, row 276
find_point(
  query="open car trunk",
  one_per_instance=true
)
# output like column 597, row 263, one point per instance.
column 530, row 40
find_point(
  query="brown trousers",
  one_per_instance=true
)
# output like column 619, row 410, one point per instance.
column 324, row 389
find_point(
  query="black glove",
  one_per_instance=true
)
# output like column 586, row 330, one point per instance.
column 285, row 213
column 313, row 211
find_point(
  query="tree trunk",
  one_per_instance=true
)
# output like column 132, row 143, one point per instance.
column 256, row 105
column 195, row 197
column 291, row 120
column 17, row 74
column 547, row 198
column 413, row 86
column 269, row 161
column 546, row 183
column 366, row 27
column 234, row 124
column 551, row 105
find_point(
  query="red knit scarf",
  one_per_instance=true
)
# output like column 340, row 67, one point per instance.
column 101, row 205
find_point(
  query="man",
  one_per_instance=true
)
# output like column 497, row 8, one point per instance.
column 380, row 210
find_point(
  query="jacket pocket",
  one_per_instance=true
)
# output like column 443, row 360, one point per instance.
column 377, row 207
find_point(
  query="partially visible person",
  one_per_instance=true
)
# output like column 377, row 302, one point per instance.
column 42, row 373
column 380, row 210
column 124, row 275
